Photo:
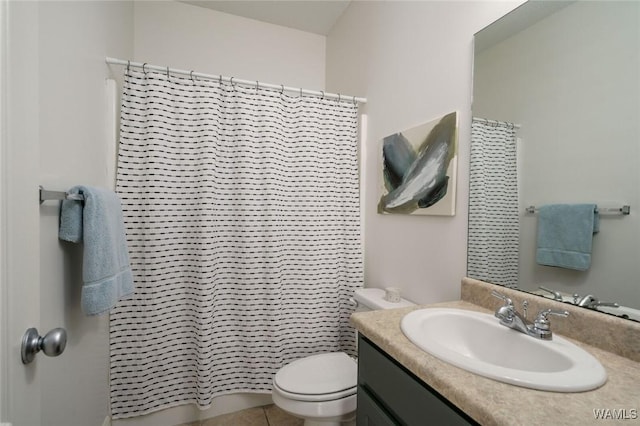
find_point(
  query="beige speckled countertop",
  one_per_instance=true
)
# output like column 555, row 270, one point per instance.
column 490, row 402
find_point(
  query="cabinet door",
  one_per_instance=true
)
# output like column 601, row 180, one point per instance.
column 406, row 399
column 369, row 413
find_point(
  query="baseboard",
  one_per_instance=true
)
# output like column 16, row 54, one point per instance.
column 190, row 413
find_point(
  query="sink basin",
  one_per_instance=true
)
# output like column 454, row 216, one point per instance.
column 477, row 342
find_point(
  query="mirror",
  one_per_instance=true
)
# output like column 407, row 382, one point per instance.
column 563, row 76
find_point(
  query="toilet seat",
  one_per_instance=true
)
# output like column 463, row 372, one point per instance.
column 317, row 397
column 323, row 377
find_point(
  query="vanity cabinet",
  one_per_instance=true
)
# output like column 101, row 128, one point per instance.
column 389, row 394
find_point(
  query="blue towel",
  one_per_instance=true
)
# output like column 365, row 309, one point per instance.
column 98, row 223
column 565, row 235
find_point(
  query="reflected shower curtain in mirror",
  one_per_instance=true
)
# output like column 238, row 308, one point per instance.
column 494, row 224
column 243, row 224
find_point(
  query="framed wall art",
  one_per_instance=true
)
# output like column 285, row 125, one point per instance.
column 419, row 167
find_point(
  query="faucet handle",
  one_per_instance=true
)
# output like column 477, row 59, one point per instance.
column 556, row 295
column 541, row 327
column 502, row 297
column 542, row 321
column 506, row 312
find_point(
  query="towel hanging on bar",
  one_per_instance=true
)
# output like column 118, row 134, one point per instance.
column 98, row 223
column 565, row 235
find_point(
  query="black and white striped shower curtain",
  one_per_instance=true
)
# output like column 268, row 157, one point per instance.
column 494, row 217
column 243, row 222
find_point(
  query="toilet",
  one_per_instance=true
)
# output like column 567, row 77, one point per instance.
column 321, row 389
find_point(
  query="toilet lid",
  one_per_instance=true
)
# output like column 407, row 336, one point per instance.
column 318, row 374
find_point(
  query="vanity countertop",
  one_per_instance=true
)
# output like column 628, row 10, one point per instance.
column 490, row 402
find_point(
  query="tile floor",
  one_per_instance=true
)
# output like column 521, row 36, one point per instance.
column 269, row 415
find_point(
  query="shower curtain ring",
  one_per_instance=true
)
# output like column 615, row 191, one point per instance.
column 257, row 85
column 232, row 83
column 144, row 65
column 128, row 65
column 167, row 72
column 282, row 91
column 191, row 75
column 301, row 92
column 322, row 94
column 338, row 97
column 354, row 100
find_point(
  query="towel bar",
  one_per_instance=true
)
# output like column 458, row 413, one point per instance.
column 57, row 195
column 624, row 210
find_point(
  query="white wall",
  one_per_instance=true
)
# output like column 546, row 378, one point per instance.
column 578, row 101
column 73, row 40
column 189, row 37
column 413, row 62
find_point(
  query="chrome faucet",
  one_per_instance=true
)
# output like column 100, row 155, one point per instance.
column 510, row 317
column 591, row 302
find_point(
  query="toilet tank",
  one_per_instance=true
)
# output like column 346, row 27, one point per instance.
column 371, row 299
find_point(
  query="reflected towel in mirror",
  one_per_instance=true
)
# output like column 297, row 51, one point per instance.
column 565, row 235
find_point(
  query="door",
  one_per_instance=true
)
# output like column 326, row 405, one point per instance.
column 54, row 133
column 19, row 214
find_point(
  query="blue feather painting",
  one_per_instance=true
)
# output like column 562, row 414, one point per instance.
column 419, row 169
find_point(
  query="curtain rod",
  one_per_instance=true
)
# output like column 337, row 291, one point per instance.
column 495, row 122
column 114, row 61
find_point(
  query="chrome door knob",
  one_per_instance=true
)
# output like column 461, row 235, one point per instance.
column 52, row 344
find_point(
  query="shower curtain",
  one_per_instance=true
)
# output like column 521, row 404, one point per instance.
column 494, row 219
column 243, row 222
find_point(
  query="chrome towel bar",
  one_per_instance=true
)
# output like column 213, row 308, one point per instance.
column 624, row 210
column 57, row 195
